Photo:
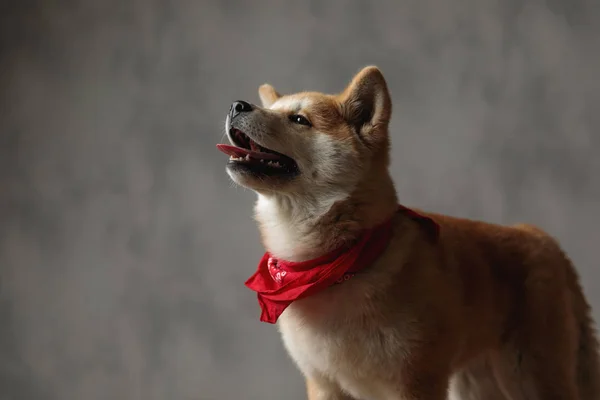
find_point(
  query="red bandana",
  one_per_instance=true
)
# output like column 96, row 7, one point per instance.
column 278, row 283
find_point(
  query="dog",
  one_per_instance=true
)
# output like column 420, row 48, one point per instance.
column 376, row 301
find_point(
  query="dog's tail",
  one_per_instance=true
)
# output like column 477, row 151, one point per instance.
column 588, row 354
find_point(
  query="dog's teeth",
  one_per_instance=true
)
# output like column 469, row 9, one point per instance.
column 273, row 164
column 247, row 157
column 262, row 161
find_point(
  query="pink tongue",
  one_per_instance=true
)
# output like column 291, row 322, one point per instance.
column 235, row 151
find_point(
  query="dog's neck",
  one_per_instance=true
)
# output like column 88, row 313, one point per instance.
column 299, row 228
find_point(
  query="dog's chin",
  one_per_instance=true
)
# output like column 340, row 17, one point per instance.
column 260, row 179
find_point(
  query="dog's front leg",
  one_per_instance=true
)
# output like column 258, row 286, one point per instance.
column 319, row 388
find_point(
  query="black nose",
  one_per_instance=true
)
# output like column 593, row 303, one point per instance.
column 238, row 107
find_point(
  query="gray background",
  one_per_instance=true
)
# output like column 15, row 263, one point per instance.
column 123, row 244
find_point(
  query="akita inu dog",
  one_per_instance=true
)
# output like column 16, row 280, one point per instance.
column 375, row 301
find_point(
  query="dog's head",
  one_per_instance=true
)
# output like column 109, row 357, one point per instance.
column 310, row 142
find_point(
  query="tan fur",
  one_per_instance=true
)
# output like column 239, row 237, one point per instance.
column 483, row 312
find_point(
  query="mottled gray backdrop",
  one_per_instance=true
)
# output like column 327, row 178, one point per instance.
column 124, row 246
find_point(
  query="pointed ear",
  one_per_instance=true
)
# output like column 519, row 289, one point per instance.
column 268, row 95
column 366, row 104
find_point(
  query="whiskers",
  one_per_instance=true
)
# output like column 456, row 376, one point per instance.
column 224, row 137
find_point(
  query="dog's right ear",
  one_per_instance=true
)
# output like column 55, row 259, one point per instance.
column 366, row 104
column 268, row 95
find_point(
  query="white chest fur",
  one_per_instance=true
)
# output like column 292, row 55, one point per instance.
column 326, row 336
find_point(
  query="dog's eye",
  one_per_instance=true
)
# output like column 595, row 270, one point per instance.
column 299, row 119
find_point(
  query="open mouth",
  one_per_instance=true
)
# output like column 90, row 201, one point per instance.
column 248, row 155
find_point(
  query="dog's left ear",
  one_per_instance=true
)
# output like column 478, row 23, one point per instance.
column 366, row 104
column 268, row 95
